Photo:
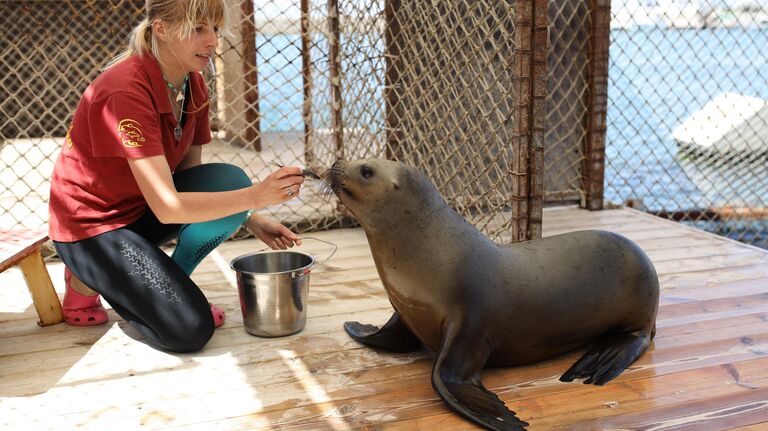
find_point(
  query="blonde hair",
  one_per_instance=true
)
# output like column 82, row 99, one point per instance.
column 182, row 17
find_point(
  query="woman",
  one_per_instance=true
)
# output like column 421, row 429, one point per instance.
column 129, row 178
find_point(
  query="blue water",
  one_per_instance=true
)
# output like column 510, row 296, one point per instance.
column 659, row 77
column 281, row 84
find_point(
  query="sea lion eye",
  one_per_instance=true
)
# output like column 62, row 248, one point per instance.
column 366, row 171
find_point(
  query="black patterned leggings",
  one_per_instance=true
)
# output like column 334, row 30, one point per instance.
column 146, row 287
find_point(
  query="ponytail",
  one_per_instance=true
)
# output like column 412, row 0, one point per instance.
column 141, row 40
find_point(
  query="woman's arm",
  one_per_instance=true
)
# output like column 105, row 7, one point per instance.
column 171, row 207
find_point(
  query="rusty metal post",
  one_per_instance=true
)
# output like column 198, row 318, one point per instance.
column 394, row 64
column 306, row 73
column 539, row 76
column 529, row 87
column 334, row 42
column 252, row 114
column 597, row 105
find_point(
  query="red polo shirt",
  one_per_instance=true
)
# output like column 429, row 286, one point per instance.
column 124, row 113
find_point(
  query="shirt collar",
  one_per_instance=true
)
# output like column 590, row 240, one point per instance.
column 156, row 80
column 159, row 89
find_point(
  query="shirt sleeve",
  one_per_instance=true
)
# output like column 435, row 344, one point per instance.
column 125, row 125
column 203, row 123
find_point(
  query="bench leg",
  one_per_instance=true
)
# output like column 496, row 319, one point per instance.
column 41, row 288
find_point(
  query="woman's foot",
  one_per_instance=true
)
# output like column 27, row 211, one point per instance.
column 79, row 308
column 218, row 315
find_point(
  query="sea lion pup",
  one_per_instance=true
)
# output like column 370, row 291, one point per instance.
column 476, row 303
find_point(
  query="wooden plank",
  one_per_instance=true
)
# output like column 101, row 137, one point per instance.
column 710, row 291
column 532, row 382
column 670, row 334
column 745, row 258
column 721, row 350
column 15, row 245
column 40, row 287
column 747, row 407
column 758, row 426
column 708, row 357
column 414, row 399
column 689, row 312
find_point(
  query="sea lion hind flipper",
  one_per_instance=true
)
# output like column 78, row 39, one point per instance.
column 456, row 378
column 608, row 357
column 394, row 336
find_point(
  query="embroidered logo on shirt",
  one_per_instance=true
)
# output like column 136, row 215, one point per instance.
column 130, row 133
column 68, row 139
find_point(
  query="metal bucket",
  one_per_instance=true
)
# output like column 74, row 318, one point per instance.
column 273, row 287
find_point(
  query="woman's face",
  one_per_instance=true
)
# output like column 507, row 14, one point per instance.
column 192, row 53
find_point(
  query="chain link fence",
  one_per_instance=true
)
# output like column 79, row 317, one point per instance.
column 49, row 52
column 435, row 84
column 687, row 115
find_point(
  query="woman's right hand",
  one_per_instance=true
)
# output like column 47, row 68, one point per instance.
column 280, row 186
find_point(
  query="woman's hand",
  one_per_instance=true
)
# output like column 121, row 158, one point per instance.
column 273, row 234
column 280, row 186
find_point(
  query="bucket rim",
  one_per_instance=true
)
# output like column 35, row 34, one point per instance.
column 290, row 271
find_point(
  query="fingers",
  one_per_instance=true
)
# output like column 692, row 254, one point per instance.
column 290, row 186
column 292, row 191
column 284, row 239
column 279, row 187
column 288, row 171
column 289, row 238
column 278, row 244
column 283, row 243
column 282, row 185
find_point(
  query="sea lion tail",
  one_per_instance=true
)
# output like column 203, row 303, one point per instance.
column 608, row 357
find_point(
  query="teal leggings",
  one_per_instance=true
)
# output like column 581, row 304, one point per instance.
column 197, row 240
column 151, row 291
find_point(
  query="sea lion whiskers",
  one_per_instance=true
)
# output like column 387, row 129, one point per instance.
column 327, row 186
column 334, row 180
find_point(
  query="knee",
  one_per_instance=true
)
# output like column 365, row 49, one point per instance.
column 212, row 177
column 190, row 334
column 229, row 177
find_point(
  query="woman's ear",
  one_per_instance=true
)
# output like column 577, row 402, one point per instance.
column 159, row 30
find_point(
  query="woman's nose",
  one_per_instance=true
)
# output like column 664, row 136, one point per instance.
column 213, row 39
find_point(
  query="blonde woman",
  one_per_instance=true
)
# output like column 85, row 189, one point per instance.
column 129, row 178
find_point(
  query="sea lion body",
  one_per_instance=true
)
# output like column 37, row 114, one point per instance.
column 477, row 303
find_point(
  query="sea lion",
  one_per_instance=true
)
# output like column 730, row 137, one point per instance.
column 476, row 303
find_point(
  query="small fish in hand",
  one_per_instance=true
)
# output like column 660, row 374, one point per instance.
column 306, row 173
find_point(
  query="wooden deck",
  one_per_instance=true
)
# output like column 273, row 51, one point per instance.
column 706, row 370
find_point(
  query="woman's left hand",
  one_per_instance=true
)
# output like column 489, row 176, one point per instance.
column 274, row 234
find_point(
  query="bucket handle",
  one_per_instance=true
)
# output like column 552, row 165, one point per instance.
column 314, row 265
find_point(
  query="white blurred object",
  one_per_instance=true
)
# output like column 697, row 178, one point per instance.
column 730, row 124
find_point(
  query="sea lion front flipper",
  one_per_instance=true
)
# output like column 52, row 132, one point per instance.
column 610, row 355
column 394, row 336
column 456, row 378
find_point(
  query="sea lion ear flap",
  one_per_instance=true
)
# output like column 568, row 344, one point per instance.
column 396, row 184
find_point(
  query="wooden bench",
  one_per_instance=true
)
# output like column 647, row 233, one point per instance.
column 23, row 248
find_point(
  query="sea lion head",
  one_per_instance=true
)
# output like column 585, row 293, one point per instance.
column 377, row 191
